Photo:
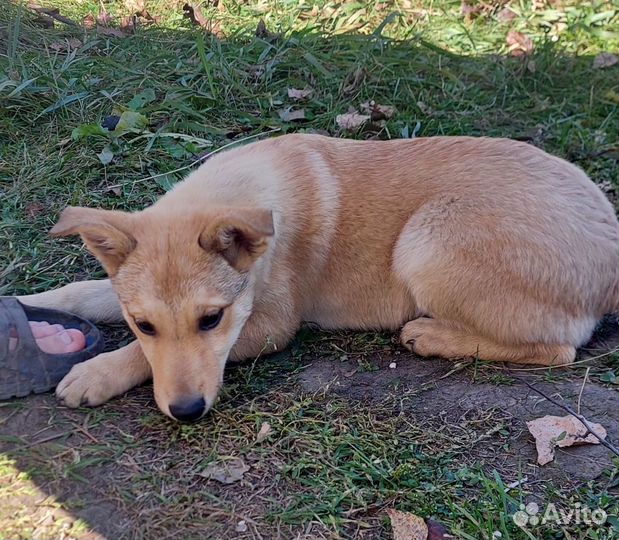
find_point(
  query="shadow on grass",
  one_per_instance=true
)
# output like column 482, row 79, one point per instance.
column 125, row 470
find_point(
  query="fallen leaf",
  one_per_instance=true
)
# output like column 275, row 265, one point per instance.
column 129, row 121
column 134, row 6
column 195, row 15
column 128, row 24
column 34, row 209
column 518, row 43
column 506, row 15
column 436, row 530
column 114, row 190
column 293, row 93
column 288, row 115
column 103, row 18
column 226, row 472
column 106, row 156
column 353, row 81
column 146, row 18
column 605, row 60
column 351, row 120
column 241, row 526
column 265, row 431
column 552, row 431
column 89, row 22
column 407, row 526
column 66, row 45
column 376, row 111
column 143, row 98
column 110, row 32
column 469, row 10
column 263, row 32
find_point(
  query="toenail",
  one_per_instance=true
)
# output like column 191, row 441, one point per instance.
column 65, row 338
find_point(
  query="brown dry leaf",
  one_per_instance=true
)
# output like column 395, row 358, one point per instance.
column 288, row 115
column 104, row 18
column 110, row 32
column 146, row 18
column 351, row 120
column 264, row 33
column 470, row 10
column 89, row 22
column 605, row 60
column 226, row 472
column 552, row 431
column 134, row 6
column 376, row 111
column 265, row 431
column 353, row 81
column 293, row 93
column 34, row 209
column 506, row 15
column 407, row 526
column 195, row 15
column 128, row 24
column 519, row 44
column 437, row 531
column 66, row 45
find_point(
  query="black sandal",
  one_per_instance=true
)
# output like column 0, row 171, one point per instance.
column 25, row 368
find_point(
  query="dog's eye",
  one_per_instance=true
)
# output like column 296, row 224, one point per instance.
column 145, row 327
column 208, row 322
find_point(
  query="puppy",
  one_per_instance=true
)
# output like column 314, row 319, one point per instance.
column 477, row 247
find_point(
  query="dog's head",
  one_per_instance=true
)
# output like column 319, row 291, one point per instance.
column 186, row 286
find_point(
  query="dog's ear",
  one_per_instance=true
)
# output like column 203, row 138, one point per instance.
column 105, row 233
column 239, row 235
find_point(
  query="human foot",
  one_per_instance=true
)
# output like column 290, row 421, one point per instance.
column 54, row 338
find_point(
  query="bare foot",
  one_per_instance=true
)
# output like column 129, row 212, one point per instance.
column 54, row 338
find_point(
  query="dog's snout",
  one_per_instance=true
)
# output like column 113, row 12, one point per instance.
column 188, row 410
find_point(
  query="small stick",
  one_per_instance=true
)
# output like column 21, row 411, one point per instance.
column 578, row 416
column 582, row 388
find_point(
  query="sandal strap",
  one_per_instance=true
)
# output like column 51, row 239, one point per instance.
column 12, row 311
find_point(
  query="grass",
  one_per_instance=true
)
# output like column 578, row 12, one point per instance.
column 327, row 470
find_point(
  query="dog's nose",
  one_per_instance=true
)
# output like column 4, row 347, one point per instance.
column 188, row 411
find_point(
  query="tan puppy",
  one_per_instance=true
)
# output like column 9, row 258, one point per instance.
column 477, row 247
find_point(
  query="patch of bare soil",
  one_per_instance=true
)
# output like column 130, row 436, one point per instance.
column 443, row 396
column 124, row 471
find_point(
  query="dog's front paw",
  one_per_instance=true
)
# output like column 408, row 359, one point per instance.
column 89, row 383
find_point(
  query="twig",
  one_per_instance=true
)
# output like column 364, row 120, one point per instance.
column 576, row 415
column 41, row 441
column 569, row 364
column 53, row 13
column 206, row 156
column 582, row 388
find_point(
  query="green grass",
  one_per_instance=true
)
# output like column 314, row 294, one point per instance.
column 328, row 469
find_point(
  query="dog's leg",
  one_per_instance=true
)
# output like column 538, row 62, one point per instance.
column 430, row 337
column 110, row 374
column 263, row 334
column 94, row 300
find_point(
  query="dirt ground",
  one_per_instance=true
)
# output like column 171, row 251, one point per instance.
column 124, row 471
